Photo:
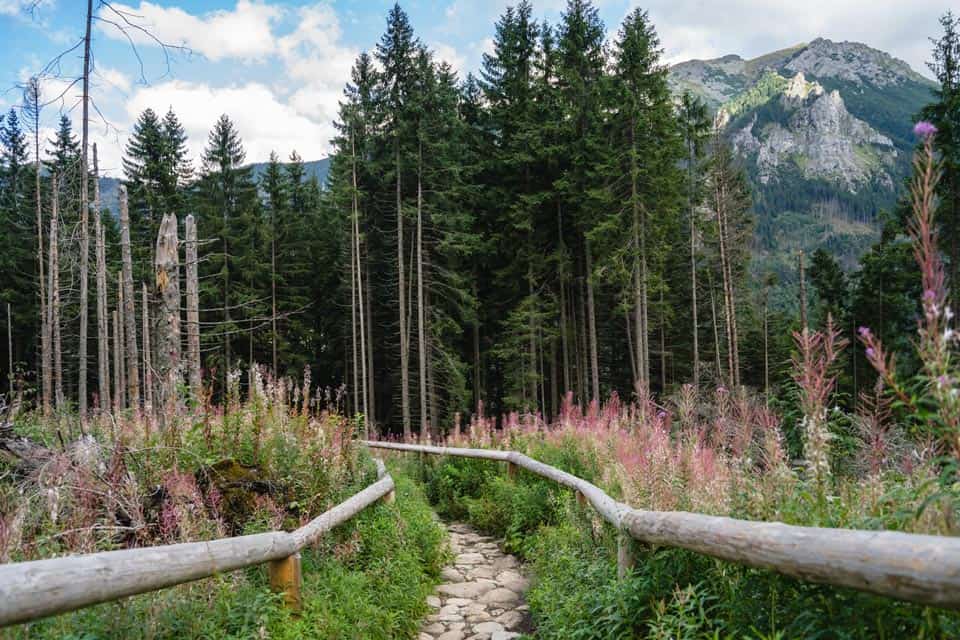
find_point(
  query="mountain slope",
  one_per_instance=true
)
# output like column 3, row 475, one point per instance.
column 824, row 131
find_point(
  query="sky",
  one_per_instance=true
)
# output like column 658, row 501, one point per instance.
column 278, row 68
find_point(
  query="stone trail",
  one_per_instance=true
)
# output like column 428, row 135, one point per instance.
column 482, row 594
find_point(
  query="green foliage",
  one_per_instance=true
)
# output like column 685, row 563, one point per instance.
column 369, row 579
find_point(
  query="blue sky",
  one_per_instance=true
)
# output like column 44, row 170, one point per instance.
column 278, row 67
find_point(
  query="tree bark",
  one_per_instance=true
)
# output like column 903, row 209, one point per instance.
column 193, row 310
column 10, row 348
column 421, row 332
column 168, row 317
column 803, row 295
column 564, row 338
column 46, row 377
column 402, row 288
column 117, row 364
column 129, row 307
column 693, row 270
column 356, row 268
column 716, row 330
column 147, row 364
column 53, row 289
column 84, row 222
column 103, row 320
column 592, row 325
column 371, row 388
column 353, row 314
column 121, row 341
column 720, row 188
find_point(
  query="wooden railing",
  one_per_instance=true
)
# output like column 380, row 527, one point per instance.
column 40, row 588
column 917, row 568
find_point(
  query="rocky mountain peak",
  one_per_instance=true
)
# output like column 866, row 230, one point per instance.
column 851, row 62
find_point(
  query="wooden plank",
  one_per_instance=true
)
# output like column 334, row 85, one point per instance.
column 285, row 578
column 913, row 567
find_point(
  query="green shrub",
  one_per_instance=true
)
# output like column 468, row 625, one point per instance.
column 369, row 579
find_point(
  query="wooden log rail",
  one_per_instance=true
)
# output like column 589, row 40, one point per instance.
column 40, row 588
column 918, row 568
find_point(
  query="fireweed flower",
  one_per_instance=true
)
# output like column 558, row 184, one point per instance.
column 864, row 331
column 924, row 129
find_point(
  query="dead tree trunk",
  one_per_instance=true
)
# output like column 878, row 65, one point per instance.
column 421, row 333
column 371, row 389
column 129, row 311
column 147, row 365
column 803, row 295
column 359, row 272
column 168, row 317
column 33, row 107
column 117, row 364
column 193, row 310
column 10, row 347
column 402, row 291
column 84, row 221
column 53, row 288
column 353, row 312
column 121, row 337
column 103, row 321
column 592, row 326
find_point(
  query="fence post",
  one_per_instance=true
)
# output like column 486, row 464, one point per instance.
column 581, row 499
column 511, row 471
column 625, row 558
column 285, row 578
column 390, row 497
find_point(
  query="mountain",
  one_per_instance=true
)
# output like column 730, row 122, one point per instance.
column 824, row 131
column 110, row 195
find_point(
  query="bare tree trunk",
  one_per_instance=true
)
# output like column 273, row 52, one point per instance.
column 642, row 369
column 355, row 268
column 803, row 295
column 129, row 311
column 122, row 371
column 592, row 325
column 631, row 349
column 476, row 351
column 103, row 320
column 716, row 330
column 193, row 310
column 147, row 365
column 421, row 333
column 84, row 222
column 693, row 275
column 663, row 345
column 532, row 346
column 10, row 347
column 353, row 313
column 564, row 338
column 402, row 287
column 726, row 274
column 168, row 318
column 53, row 289
column 371, row 389
column 273, row 290
column 766, row 350
column 583, row 344
column 33, row 101
column 117, row 364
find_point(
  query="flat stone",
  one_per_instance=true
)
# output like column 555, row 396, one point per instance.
column 434, row 602
column 481, row 572
column 518, row 584
column 511, row 619
column 449, row 609
column 504, row 635
column 488, row 627
column 505, row 562
column 470, row 558
column 459, row 602
column 471, row 590
column 451, row 575
column 424, row 636
column 451, row 635
column 436, row 628
column 500, row 595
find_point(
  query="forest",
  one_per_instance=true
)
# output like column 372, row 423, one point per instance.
column 559, row 222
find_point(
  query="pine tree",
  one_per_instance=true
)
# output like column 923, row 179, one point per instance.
column 227, row 203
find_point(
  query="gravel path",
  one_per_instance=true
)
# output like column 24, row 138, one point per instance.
column 482, row 594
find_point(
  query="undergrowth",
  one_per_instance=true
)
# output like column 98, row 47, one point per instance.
column 368, row 579
column 671, row 593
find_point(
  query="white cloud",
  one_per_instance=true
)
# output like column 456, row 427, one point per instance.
column 244, row 33
column 695, row 29
column 264, row 121
column 446, row 53
column 113, row 78
column 21, row 7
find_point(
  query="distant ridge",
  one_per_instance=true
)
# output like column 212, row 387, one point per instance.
column 109, row 187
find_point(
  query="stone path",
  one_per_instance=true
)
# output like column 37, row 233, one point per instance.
column 482, row 596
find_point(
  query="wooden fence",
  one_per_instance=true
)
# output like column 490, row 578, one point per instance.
column 33, row 590
column 918, row 568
